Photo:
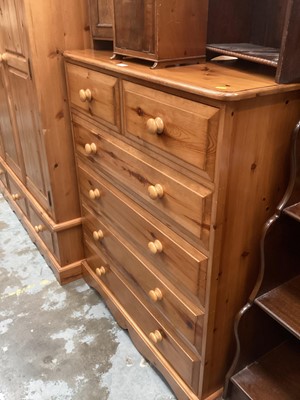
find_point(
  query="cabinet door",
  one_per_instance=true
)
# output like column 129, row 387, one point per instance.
column 101, row 18
column 137, row 36
column 21, row 93
column 8, row 140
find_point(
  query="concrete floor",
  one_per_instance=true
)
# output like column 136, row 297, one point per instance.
column 61, row 343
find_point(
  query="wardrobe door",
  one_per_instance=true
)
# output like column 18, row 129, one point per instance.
column 21, row 94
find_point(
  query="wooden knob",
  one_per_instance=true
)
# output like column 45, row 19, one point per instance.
column 155, row 247
column 155, row 191
column 85, row 95
column 156, row 336
column 100, row 271
column 155, row 126
column 98, row 235
column 16, row 196
column 94, row 194
column 90, row 148
column 155, row 294
column 39, row 228
column 3, row 57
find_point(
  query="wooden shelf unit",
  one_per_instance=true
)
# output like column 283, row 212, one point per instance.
column 293, row 211
column 262, row 31
column 263, row 370
column 283, row 304
column 275, row 376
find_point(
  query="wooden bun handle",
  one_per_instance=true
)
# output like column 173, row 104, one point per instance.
column 156, row 336
column 16, row 196
column 155, row 126
column 155, row 294
column 155, row 247
column 85, row 95
column 90, row 148
column 94, row 194
column 100, row 271
column 155, row 191
column 98, row 235
column 39, row 228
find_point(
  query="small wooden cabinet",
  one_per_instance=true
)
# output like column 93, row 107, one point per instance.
column 263, row 31
column 35, row 136
column 178, row 171
column 101, row 22
column 166, row 32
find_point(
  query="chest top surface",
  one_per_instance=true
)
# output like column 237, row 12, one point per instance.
column 225, row 81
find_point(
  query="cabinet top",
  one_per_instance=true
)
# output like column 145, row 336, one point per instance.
column 219, row 80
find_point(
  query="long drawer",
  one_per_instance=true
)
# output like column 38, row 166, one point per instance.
column 183, row 265
column 182, row 129
column 183, row 315
column 184, row 361
column 175, row 200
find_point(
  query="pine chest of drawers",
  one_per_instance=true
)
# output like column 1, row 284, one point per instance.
column 178, row 169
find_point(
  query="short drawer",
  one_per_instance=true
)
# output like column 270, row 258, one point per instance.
column 182, row 264
column 17, row 195
column 41, row 229
column 95, row 94
column 182, row 314
column 183, row 360
column 180, row 128
column 174, row 199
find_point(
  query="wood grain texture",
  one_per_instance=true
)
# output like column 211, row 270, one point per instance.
column 159, row 32
column 190, row 128
column 104, row 104
column 283, row 304
column 35, row 127
column 140, row 228
column 255, row 119
column 184, row 316
column 274, row 376
column 185, row 204
column 101, row 19
column 209, row 80
column 172, row 348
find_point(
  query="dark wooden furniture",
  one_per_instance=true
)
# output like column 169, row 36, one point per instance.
column 101, row 23
column 262, row 31
column 267, row 329
column 166, row 32
column 178, row 170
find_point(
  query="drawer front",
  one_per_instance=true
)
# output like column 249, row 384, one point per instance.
column 3, row 174
column 17, row 195
column 186, row 205
column 180, row 263
column 183, row 360
column 187, row 320
column 181, row 128
column 41, row 229
column 94, row 93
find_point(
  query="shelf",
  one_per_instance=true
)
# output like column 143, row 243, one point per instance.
column 293, row 211
column 275, row 376
column 248, row 51
column 283, row 304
